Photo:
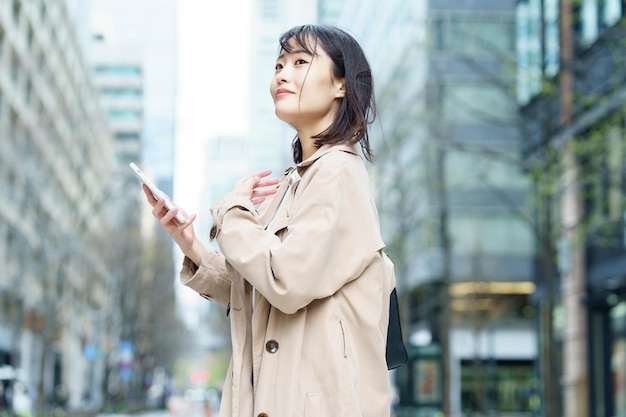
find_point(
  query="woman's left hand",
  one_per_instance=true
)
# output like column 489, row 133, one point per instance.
column 256, row 186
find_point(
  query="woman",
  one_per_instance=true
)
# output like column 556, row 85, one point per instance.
column 308, row 297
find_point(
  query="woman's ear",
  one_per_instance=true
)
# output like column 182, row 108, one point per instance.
column 341, row 88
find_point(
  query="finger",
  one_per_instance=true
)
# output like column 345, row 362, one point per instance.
column 187, row 222
column 169, row 216
column 257, row 200
column 262, row 174
column 264, row 192
column 267, row 182
column 159, row 208
column 149, row 195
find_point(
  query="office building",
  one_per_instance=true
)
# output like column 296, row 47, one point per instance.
column 571, row 89
column 450, row 184
column 55, row 169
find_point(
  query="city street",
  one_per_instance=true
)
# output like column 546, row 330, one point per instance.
column 178, row 406
column 194, row 411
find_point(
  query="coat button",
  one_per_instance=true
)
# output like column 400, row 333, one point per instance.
column 262, row 415
column 272, row 347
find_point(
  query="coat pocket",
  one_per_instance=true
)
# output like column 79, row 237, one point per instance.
column 344, row 338
column 313, row 404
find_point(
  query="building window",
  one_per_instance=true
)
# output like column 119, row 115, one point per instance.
column 269, row 9
column 118, row 69
column 15, row 67
column 618, row 358
column 124, row 114
column 30, row 37
column 552, row 49
column 1, row 42
column 606, row 170
column 29, row 91
column 499, row 385
column 17, row 7
column 469, row 34
column 611, row 12
column 529, row 72
column 123, row 136
column 122, row 92
column 589, row 21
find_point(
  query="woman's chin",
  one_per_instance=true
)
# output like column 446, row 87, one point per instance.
column 286, row 116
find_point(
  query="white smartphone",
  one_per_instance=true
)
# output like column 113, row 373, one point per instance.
column 155, row 191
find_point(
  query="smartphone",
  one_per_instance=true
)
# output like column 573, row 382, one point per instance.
column 155, row 191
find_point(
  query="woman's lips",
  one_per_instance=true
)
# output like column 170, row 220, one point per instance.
column 283, row 92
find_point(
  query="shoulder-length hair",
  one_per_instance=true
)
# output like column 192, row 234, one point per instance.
column 357, row 108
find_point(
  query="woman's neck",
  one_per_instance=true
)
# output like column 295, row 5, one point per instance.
column 308, row 145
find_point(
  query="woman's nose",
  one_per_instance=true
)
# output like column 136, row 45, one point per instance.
column 282, row 75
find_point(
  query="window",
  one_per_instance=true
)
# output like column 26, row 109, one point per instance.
column 122, row 92
column 118, row 69
column 471, row 34
column 15, row 67
column 477, row 103
column 499, row 385
column 606, row 170
column 611, row 12
column 269, row 9
column 529, row 72
column 589, row 21
column 1, row 42
column 122, row 136
column 552, row 49
column 124, row 114
column 17, row 7
column 618, row 357
column 30, row 37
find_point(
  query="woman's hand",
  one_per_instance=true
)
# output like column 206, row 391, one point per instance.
column 256, row 186
column 182, row 233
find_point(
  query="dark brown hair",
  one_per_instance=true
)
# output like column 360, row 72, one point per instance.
column 357, row 109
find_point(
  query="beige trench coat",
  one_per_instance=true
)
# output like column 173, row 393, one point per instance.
column 313, row 344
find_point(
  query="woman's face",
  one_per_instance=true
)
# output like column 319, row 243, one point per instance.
column 304, row 91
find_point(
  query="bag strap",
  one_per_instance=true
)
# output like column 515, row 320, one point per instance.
column 283, row 186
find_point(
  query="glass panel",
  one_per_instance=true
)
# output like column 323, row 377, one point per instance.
column 618, row 358
column 589, row 21
column 551, row 18
column 528, row 49
column 477, row 103
column 501, row 386
column 612, row 12
column 470, row 34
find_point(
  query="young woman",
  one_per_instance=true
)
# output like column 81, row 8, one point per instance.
column 308, row 297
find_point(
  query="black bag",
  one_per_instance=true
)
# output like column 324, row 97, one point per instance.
column 395, row 354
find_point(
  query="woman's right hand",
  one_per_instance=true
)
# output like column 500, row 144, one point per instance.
column 182, row 233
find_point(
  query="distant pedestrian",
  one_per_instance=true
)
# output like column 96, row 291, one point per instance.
column 308, row 295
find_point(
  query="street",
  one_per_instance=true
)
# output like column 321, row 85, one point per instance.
column 177, row 407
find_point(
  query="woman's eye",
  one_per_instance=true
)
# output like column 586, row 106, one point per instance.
column 278, row 66
column 300, row 61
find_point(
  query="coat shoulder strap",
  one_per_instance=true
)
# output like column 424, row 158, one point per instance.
column 283, row 186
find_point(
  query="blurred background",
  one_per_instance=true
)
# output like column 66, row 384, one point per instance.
column 499, row 176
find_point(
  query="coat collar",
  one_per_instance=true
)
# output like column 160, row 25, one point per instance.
column 323, row 150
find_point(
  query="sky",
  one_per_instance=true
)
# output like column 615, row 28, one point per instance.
column 212, row 78
column 213, row 84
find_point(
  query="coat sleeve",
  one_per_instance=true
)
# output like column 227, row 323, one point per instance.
column 210, row 279
column 332, row 236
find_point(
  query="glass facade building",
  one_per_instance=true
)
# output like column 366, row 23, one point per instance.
column 56, row 154
column 451, row 186
column 596, row 133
